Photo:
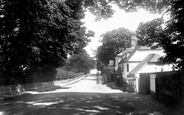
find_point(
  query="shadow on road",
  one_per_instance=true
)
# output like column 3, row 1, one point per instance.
column 112, row 85
column 66, row 104
column 75, row 103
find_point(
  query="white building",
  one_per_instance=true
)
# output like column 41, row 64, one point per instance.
column 139, row 59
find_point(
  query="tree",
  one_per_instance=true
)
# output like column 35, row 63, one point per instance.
column 147, row 33
column 113, row 43
column 103, row 8
column 81, row 62
column 170, row 37
column 35, row 33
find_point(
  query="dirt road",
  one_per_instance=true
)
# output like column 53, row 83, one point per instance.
column 86, row 97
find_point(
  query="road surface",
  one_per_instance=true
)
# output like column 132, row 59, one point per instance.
column 86, row 97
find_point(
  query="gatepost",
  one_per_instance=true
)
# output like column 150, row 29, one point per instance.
column 153, row 86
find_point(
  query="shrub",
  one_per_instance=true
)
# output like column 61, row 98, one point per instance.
column 170, row 85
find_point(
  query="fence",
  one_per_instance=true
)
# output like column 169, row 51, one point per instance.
column 144, row 83
column 162, row 84
column 170, row 84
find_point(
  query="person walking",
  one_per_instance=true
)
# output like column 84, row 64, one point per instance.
column 98, row 77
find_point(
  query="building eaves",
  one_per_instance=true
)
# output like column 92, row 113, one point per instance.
column 149, row 58
column 131, row 54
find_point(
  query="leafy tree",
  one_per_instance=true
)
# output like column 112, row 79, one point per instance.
column 103, row 8
column 113, row 43
column 147, row 32
column 81, row 62
column 170, row 37
column 35, row 33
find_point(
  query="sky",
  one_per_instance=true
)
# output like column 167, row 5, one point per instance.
column 119, row 19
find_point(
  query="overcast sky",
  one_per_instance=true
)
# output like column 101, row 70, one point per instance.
column 119, row 19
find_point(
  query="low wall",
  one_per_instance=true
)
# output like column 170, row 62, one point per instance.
column 5, row 90
column 163, row 85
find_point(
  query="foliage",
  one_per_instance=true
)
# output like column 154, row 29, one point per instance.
column 62, row 73
column 45, row 74
column 113, row 43
column 103, row 8
column 147, row 33
column 81, row 62
column 36, row 33
column 100, row 8
column 170, row 84
column 169, row 38
column 90, row 33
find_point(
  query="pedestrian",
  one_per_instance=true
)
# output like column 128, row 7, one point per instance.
column 104, row 76
column 98, row 77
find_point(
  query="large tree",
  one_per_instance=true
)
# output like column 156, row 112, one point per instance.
column 113, row 42
column 35, row 33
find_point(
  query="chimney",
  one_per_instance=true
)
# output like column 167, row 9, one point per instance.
column 133, row 41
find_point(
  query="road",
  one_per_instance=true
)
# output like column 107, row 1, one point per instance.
column 85, row 97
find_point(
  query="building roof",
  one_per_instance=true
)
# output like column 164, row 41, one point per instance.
column 128, row 50
column 155, row 58
column 150, row 58
column 131, row 54
column 134, row 50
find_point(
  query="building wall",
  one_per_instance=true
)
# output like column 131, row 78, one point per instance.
column 127, row 67
column 124, row 70
column 168, row 67
column 150, row 68
column 146, row 69
column 139, row 56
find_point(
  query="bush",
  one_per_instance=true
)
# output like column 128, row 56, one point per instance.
column 47, row 73
column 170, row 85
column 64, row 74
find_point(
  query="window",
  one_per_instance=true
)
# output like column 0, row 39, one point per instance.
column 127, row 67
column 122, row 68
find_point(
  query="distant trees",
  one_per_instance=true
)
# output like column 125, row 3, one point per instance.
column 36, row 33
column 113, row 42
column 81, row 62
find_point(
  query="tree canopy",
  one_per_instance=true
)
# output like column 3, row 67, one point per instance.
column 166, row 34
column 113, row 42
column 35, row 33
column 103, row 8
column 81, row 62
